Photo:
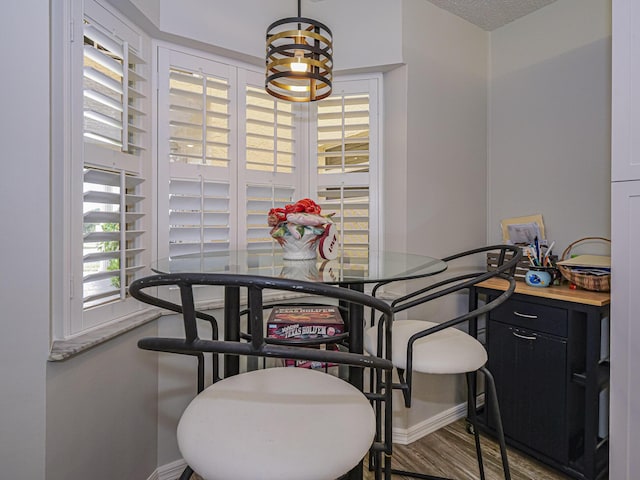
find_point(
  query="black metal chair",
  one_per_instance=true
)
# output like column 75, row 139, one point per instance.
column 439, row 348
column 277, row 423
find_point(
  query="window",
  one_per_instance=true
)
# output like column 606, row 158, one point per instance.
column 108, row 167
column 231, row 152
column 269, row 167
column 346, row 178
column 226, row 152
column 196, row 148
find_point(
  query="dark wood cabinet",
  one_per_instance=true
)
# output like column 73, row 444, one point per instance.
column 548, row 352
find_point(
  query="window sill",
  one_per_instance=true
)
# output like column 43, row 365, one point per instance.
column 65, row 349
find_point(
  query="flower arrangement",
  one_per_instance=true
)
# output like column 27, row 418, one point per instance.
column 299, row 227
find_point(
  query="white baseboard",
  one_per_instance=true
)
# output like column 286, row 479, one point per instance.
column 153, row 476
column 170, row 471
column 405, row 436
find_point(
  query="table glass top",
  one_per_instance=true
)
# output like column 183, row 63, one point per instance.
column 351, row 267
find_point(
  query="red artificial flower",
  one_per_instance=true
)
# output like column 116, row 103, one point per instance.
column 279, row 215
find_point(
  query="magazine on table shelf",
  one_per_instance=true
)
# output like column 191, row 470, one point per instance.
column 306, row 322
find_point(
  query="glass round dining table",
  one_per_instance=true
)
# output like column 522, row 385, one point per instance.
column 352, row 269
column 349, row 269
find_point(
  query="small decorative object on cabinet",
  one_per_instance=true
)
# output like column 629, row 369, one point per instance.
column 538, row 277
column 549, row 353
column 591, row 272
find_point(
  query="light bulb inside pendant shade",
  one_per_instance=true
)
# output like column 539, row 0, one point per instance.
column 299, row 59
column 298, row 64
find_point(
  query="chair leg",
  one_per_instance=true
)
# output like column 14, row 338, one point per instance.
column 404, row 386
column 470, row 377
column 186, row 474
column 471, row 402
column 496, row 412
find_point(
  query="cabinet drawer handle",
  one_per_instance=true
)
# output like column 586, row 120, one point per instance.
column 524, row 315
column 524, row 337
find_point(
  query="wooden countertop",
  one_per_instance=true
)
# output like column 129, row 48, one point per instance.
column 562, row 292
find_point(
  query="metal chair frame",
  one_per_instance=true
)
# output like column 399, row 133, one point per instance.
column 259, row 346
column 505, row 269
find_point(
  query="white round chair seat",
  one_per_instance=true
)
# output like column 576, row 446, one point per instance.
column 276, row 423
column 443, row 352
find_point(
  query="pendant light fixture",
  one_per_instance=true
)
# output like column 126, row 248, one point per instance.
column 299, row 59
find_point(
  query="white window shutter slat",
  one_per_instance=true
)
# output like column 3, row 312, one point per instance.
column 112, row 239
column 113, row 90
column 199, row 214
column 260, row 199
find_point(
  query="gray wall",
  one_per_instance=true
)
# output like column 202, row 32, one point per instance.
column 435, row 162
column 548, row 104
column 446, row 129
column 549, row 120
column 102, row 412
column 24, row 201
column 93, row 416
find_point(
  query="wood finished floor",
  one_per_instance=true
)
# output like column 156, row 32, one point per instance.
column 450, row 452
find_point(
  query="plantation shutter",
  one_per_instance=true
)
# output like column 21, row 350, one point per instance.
column 114, row 86
column 269, row 172
column 111, row 241
column 198, row 216
column 260, row 199
column 270, row 129
column 347, row 163
column 199, row 153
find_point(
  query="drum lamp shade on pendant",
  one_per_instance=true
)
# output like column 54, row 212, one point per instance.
column 299, row 59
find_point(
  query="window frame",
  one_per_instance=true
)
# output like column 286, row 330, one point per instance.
column 69, row 156
column 305, row 174
column 69, row 320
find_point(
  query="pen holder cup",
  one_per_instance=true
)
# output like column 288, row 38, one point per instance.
column 541, row 276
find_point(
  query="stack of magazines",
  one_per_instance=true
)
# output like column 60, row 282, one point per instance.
column 589, row 264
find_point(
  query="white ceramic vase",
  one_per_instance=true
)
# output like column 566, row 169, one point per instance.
column 304, row 248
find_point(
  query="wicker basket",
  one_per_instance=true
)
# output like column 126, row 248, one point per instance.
column 597, row 283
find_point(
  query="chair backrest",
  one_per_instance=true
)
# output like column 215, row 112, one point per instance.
column 295, row 382
column 258, row 345
column 508, row 258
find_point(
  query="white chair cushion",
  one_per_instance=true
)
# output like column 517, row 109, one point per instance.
column 276, row 423
column 447, row 351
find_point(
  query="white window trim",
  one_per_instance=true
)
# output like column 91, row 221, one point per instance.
column 69, row 322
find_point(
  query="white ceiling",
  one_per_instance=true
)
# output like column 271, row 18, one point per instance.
column 491, row 14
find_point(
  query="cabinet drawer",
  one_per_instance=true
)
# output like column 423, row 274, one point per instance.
column 532, row 316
